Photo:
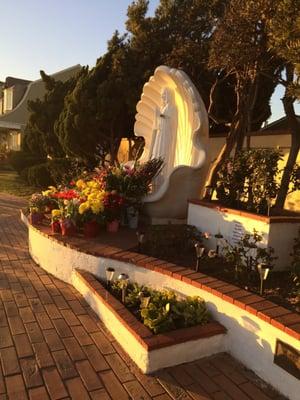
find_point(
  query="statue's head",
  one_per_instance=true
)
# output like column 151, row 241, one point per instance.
column 167, row 96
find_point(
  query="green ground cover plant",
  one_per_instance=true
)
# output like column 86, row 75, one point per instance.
column 162, row 311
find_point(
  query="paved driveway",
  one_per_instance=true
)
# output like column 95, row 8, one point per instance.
column 53, row 346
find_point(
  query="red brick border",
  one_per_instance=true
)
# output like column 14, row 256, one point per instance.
column 147, row 339
column 280, row 317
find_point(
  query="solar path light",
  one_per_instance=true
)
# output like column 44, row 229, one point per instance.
column 124, row 279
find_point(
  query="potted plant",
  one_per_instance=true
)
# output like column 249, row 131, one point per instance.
column 89, row 219
column 113, row 206
column 35, row 216
column 55, row 221
column 37, row 205
column 69, row 215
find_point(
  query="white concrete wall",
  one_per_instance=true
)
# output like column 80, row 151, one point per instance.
column 249, row 339
column 279, row 235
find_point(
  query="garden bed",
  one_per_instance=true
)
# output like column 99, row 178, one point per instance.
column 253, row 324
column 150, row 351
column 175, row 244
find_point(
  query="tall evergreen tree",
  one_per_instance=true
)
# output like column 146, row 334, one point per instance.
column 40, row 137
column 95, row 115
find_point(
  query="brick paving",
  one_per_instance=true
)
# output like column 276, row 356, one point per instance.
column 52, row 345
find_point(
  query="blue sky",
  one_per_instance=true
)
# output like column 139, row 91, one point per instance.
column 55, row 34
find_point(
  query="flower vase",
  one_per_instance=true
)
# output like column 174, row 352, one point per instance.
column 55, row 227
column 36, row 218
column 133, row 217
column 67, row 227
column 91, row 229
column 112, row 226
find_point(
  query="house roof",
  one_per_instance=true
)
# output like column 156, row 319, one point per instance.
column 278, row 125
column 11, row 81
column 10, row 125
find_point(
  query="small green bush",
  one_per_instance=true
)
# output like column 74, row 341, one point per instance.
column 296, row 263
column 58, row 169
column 165, row 311
column 39, row 176
column 20, row 160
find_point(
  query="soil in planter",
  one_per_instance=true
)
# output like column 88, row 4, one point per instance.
column 175, row 244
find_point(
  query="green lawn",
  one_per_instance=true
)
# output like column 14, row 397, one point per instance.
column 11, row 183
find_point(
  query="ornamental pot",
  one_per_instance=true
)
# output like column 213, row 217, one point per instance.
column 67, row 227
column 55, row 227
column 36, row 218
column 91, row 229
column 113, row 226
column 132, row 217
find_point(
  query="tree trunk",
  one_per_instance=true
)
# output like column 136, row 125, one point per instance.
column 294, row 126
column 223, row 155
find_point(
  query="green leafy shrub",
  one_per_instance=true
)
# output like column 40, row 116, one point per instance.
column 20, row 160
column 39, row 176
column 247, row 253
column 296, row 263
column 250, row 179
column 165, row 311
column 59, row 169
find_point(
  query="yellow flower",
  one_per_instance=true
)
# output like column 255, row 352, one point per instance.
column 80, row 184
column 49, row 191
column 93, row 196
column 56, row 213
column 84, row 207
column 97, row 206
column 92, row 184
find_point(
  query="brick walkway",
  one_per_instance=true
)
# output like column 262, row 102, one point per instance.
column 52, row 346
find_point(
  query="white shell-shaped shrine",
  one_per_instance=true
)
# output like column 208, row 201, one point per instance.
column 188, row 141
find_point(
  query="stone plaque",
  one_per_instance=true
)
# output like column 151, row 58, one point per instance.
column 238, row 232
column 287, row 358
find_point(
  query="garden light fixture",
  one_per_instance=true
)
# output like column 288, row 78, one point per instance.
column 141, row 238
column 199, row 254
column 263, row 270
column 145, row 299
column 109, row 272
column 218, row 237
column 124, row 279
column 269, row 204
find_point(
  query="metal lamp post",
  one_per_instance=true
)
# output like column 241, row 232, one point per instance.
column 124, row 279
column 269, row 205
column 141, row 238
column 109, row 272
column 199, row 254
column 218, row 237
column 263, row 270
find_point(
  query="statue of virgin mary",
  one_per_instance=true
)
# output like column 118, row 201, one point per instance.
column 165, row 129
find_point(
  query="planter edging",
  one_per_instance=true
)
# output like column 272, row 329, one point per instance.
column 147, row 339
column 270, row 220
column 269, row 312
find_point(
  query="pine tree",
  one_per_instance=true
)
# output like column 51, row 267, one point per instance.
column 40, row 137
